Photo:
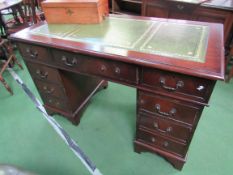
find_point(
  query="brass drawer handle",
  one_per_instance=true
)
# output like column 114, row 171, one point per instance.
column 103, row 68
column 179, row 84
column 165, row 144
column 171, row 113
column 32, row 54
column 54, row 102
column 48, row 91
column 156, row 126
column 41, row 74
column 67, row 63
column 57, row 104
column 180, row 7
column 153, row 139
column 200, row 88
column 117, row 70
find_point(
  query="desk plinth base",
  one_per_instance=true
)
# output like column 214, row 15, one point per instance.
column 75, row 116
column 176, row 161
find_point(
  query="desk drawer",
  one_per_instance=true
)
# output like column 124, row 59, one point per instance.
column 179, row 84
column 168, row 9
column 161, row 142
column 50, row 89
column 95, row 66
column 55, row 102
column 165, row 127
column 32, row 52
column 44, row 73
column 167, row 108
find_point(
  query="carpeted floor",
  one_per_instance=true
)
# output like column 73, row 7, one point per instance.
column 106, row 135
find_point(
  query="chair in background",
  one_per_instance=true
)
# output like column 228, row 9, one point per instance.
column 33, row 11
column 23, row 15
column 8, row 59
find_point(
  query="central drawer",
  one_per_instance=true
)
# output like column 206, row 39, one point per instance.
column 108, row 69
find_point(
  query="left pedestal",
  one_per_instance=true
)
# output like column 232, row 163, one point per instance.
column 63, row 92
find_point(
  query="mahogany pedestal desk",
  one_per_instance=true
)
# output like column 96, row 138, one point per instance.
column 173, row 64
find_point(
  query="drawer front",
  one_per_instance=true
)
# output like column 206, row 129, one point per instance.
column 44, row 73
column 55, row 102
column 179, row 84
column 32, row 52
column 167, row 108
column 177, row 7
column 94, row 66
column 50, row 89
column 181, row 7
column 163, row 143
column 165, row 127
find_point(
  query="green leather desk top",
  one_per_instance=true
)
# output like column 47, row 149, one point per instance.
column 174, row 40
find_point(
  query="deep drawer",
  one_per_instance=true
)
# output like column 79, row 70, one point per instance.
column 94, row 66
column 161, row 142
column 44, row 73
column 173, row 83
column 50, row 89
column 32, row 52
column 167, row 108
column 165, row 127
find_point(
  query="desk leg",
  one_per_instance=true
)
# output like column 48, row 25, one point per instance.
column 81, row 108
column 177, row 162
column 230, row 73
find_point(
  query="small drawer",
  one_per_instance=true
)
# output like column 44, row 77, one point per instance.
column 173, row 83
column 44, row 73
column 161, row 142
column 55, row 102
column 167, row 108
column 50, row 89
column 181, row 7
column 172, row 5
column 165, row 127
column 94, row 66
column 32, row 52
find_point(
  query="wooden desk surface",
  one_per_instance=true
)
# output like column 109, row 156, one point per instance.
column 192, row 48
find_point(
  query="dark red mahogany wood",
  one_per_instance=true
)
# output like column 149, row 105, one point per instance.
column 167, row 113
